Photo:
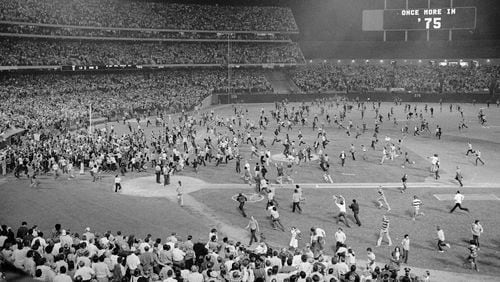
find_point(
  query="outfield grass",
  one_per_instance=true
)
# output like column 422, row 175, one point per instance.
column 77, row 204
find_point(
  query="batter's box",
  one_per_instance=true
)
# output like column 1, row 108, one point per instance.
column 468, row 197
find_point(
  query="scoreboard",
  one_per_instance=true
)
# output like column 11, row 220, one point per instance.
column 419, row 19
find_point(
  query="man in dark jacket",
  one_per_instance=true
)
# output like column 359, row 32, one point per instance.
column 355, row 209
column 23, row 230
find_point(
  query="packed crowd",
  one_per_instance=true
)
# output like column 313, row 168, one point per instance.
column 148, row 14
column 58, row 100
column 55, row 31
column 30, row 52
column 65, row 256
column 328, row 76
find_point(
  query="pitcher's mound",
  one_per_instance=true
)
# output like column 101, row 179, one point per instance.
column 147, row 186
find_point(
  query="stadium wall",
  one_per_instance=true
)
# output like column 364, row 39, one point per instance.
column 363, row 96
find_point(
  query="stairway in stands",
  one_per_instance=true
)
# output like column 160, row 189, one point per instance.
column 281, row 83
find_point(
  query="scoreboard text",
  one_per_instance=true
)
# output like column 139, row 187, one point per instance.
column 420, row 19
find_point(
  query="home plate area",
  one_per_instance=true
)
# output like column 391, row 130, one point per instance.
column 469, row 197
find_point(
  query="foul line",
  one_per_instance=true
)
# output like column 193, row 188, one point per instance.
column 469, row 197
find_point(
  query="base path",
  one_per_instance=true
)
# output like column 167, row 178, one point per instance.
column 147, row 187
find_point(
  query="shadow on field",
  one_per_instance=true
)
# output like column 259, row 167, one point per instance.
column 490, row 257
column 40, row 188
column 448, row 261
column 438, row 209
column 431, row 246
column 409, row 213
column 495, row 242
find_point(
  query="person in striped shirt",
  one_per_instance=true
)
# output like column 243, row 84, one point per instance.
column 417, row 203
column 473, row 255
column 384, row 231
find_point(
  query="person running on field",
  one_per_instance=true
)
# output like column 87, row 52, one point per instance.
column 441, row 240
column 275, row 216
column 341, row 204
column 342, row 157
column 406, row 159
column 294, row 240
column 478, row 157
column 118, row 185
column 472, row 258
column 355, row 210
column 384, row 231
column 416, row 203
column 404, row 180
column 242, row 199
column 469, row 149
column 458, row 198
column 296, row 198
column 382, row 199
column 459, row 177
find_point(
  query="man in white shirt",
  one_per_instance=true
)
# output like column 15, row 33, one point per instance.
column 65, row 239
column 85, row 272
column 194, row 275
column 275, row 216
column 458, row 202
column 261, row 249
column 476, row 230
column 62, row 276
column 478, row 157
column 340, row 237
column 318, row 237
column 296, row 198
column 178, row 255
column 118, row 184
column 341, row 267
column 133, row 260
column 371, row 259
column 341, row 204
column 89, row 235
column 275, row 260
column 441, row 240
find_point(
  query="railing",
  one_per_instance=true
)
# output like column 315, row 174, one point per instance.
column 143, row 67
column 153, row 39
column 150, row 29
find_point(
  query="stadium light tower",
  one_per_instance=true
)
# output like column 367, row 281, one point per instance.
column 228, row 69
column 90, row 119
